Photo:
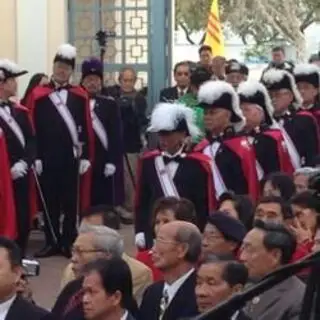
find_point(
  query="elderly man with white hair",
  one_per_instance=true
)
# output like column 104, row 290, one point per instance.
column 301, row 178
column 93, row 242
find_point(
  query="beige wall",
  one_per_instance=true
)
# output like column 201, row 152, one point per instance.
column 33, row 31
column 57, row 32
column 8, row 29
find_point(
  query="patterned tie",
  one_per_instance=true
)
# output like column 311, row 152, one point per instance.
column 164, row 302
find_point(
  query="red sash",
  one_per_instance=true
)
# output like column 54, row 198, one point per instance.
column 284, row 157
column 241, row 147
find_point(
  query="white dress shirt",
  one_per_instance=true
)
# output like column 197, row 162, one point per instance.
column 5, row 306
column 182, row 92
column 172, row 166
column 125, row 315
column 173, row 288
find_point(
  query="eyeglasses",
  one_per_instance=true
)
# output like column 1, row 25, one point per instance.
column 79, row 251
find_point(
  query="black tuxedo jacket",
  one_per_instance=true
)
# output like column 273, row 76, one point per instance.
column 170, row 94
column 54, row 144
column 302, row 128
column 22, row 309
column 182, row 306
column 15, row 150
column 76, row 313
column 108, row 113
column 191, row 181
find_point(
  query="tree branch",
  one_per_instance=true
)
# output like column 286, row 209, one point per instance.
column 203, row 38
column 186, row 32
column 308, row 20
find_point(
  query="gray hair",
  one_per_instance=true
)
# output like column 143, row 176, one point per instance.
column 105, row 239
column 192, row 238
column 306, row 171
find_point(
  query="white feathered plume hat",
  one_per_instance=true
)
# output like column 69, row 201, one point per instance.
column 9, row 69
column 307, row 72
column 220, row 94
column 172, row 117
column 255, row 92
column 66, row 53
column 276, row 79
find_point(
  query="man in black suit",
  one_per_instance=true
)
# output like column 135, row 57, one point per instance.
column 176, row 252
column 16, row 126
column 107, row 126
column 13, row 306
column 181, row 74
column 64, row 150
column 217, row 281
column 133, row 107
column 107, row 290
column 171, row 171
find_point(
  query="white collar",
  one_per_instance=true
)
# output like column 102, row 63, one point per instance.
column 178, row 153
column 173, row 288
column 184, row 91
column 5, row 306
column 92, row 104
column 125, row 315
column 235, row 315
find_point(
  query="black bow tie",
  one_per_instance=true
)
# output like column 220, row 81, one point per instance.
column 167, row 159
column 5, row 105
column 66, row 87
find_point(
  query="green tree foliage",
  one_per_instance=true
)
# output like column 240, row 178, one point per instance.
column 264, row 21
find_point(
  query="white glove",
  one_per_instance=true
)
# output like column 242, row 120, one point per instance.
column 84, row 166
column 109, row 170
column 38, row 167
column 19, row 170
column 140, row 240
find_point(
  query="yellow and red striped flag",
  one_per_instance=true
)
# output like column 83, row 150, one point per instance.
column 214, row 35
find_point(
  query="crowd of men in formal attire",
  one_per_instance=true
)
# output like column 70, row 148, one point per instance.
column 217, row 178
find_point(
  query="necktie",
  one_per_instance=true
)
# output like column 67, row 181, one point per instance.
column 164, row 302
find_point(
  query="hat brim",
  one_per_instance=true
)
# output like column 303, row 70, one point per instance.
column 234, row 117
column 19, row 74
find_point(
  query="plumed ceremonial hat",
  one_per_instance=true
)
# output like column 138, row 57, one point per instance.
column 67, row 54
column 231, row 228
column 92, row 66
column 276, row 79
column 172, row 117
column 9, row 69
column 220, row 94
column 307, row 72
column 255, row 92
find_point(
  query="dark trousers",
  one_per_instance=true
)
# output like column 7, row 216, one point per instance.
column 102, row 188
column 60, row 192
column 22, row 203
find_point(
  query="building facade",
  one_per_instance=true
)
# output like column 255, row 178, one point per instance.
column 141, row 36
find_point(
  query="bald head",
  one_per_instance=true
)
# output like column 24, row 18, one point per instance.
column 185, row 233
